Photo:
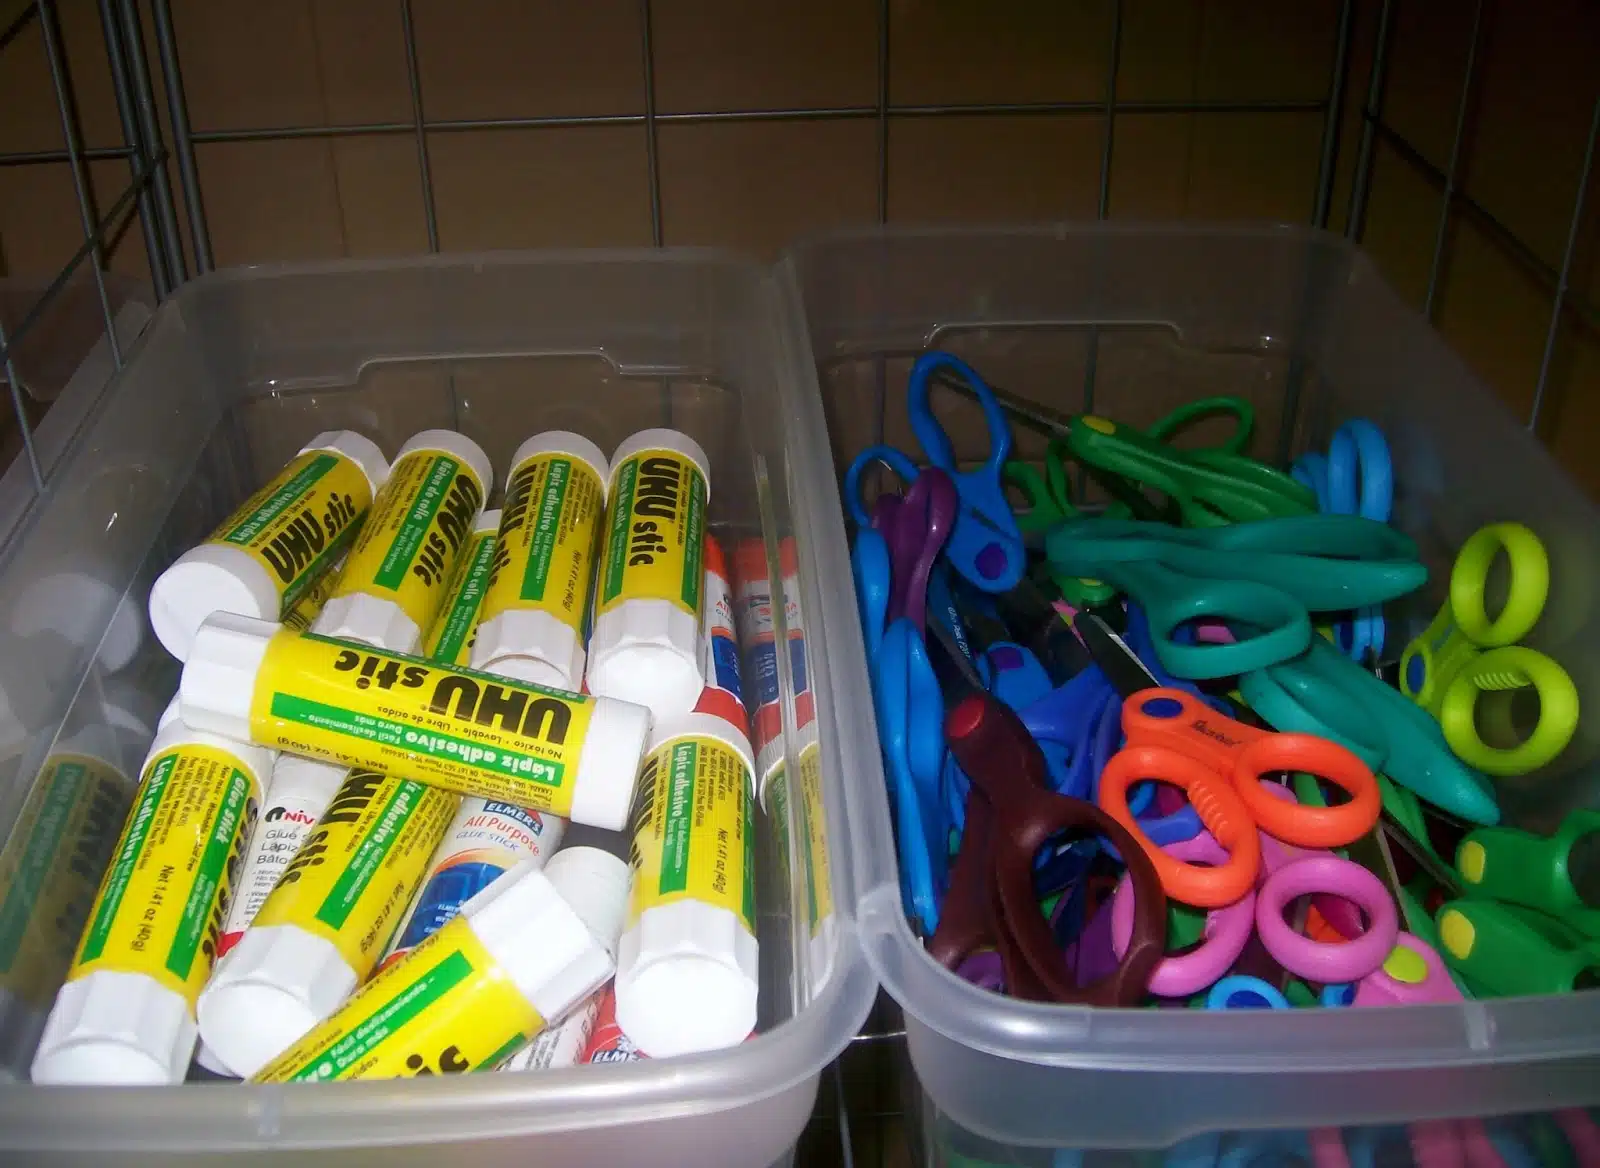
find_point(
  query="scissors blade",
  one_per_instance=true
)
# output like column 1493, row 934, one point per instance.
column 1441, row 874
column 1120, row 664
column 958, row 679
column 1035, row 416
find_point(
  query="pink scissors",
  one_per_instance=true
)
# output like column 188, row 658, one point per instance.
column 1341, row 889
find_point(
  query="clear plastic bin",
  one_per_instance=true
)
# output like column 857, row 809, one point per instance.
column 231, row 377
column 1133, row 321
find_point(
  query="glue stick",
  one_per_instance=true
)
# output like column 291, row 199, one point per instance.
column 127, row 1011
column 484, row 840
column 472, row 733
column 646, row 642
column 450, row 640
column 304, row 612
column 607, row 1043
column 754, row 618
column 278, row 543
column 560, row 1045
column 795, row 811
column 394, row 581
column 719, row 647
column 533, row 617
column 686, row 965
column 50, row 870
column 523, row 952
column 323, row 927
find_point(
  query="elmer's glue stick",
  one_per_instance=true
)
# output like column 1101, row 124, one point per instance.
column 279, row 542
column 394, row 581
column 451, row 638
column 533, row 617
column 484, row 840
column 472, row 733
column 327, row 921
column 127, row 1011
column 560, row 1045
column 607, row 1043
column 686, row 965
column 522, row 953
column 720, row 643
column 51, row 869
column 646, row 643
column 755, row 600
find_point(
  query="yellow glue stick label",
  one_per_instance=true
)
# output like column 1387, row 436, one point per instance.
column 165, row 896
column 51, row 868
column 654, row 530
column 692, row 829
column 309, row 606
column 351, row 880
column 447, row 1008
column 300, row 523
column 408, row 547
column 450, row 640
column 468, row 732
column 811, row 828
column 548, row 527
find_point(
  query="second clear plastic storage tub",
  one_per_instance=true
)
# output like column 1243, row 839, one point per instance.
column 233, row 375
column 1130, row 322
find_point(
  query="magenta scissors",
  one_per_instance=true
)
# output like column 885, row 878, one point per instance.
column 1339, row 888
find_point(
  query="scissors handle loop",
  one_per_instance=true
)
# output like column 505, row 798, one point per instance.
column 896, row 460
column 1525, row 596
column 1180, row 419
column 1360, row 472
column 1295, row 823
column 927, row 428
column 1511, row 667
column 1320, row 961
column 1221, row 811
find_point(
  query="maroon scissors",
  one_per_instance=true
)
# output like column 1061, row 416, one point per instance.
column 1011, row 815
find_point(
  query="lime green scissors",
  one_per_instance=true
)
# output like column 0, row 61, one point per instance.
column 1464, row 652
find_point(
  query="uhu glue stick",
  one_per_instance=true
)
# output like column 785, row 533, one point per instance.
column 472, row 733
column 127, row 1011
column 686, row 965
column 520, row 955
column 394, row 581
column 650, row 589
column 280, row 541
column 533, row 617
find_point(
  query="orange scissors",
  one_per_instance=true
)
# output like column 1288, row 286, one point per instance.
column 1174, row 738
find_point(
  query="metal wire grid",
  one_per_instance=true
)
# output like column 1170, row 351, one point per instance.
column 149, row 194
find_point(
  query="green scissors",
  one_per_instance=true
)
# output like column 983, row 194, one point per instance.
column 1464, row 652
column 1264, row 578
column 1050, row 503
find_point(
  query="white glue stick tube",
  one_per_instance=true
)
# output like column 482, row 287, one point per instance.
column 686, row 966
column 394, row 581
column 297, row 796
column 522, row 953
column 472, row 733
column 327, row 921
column 483, row 841
column 651, row 584
column 277, row 544
column 561, row 1045
column 533, row 618
column 454, row 631
column 127, row 1011
column 719, row 646
column 61, row 843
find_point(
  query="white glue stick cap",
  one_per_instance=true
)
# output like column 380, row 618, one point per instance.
column 112, row 1028
column 218, row 577
column 554, row 931
column 220, row 675
column 376, row 620
column 608, row 764
column 267, row 992
column 528, row 644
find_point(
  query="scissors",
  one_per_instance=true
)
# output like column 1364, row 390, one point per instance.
column 1049, row 499
column 906, row 696
column 1355, row 477
column 1323, row 692
column 1010, row 816
column 1464, row 652
column 1219, row 762
column 1352, row 956
column 1558, row 874
column 1263, row 578
column 985, row 545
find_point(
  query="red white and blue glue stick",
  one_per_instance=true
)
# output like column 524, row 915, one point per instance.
column 719, row 647
column 755, row 620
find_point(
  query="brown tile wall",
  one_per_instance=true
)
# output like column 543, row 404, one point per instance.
column 754, row 186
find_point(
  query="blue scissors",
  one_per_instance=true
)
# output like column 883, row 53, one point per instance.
column 1266, row 576
column 986, row 545
column 1355, row 477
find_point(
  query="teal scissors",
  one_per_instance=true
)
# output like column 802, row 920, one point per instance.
column 1263, row 578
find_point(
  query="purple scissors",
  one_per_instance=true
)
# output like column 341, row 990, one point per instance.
column 915, row 526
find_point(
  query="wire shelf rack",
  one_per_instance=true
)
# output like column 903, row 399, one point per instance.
column 164, row 196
